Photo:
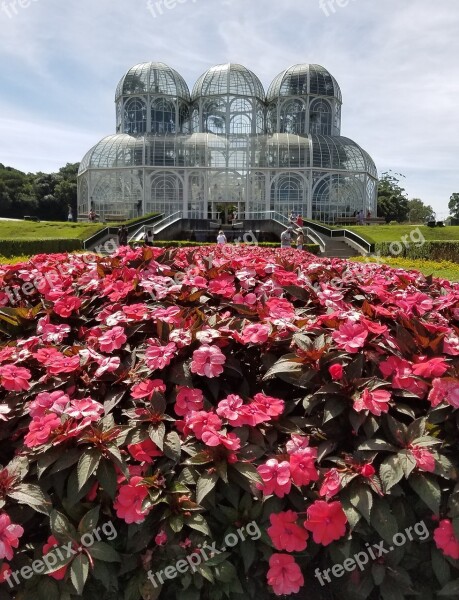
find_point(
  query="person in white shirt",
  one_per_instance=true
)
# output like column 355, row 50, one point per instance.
column 221, row 238
column 286, row 238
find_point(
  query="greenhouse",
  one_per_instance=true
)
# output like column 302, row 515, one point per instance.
column 227, row 146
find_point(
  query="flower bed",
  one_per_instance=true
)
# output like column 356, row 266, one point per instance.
column 159, row 403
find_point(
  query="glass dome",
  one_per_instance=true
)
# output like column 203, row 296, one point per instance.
column 340, row 154
column 302, row 80
column 153, row 78
column 230, row 79
column 120, row 150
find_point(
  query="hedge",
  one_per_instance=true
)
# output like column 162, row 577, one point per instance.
column 18, row 247
column 436, row 250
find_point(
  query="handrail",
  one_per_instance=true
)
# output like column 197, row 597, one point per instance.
column 114, row 230
column 343, row 233
column 315, row 237
column 173, row 218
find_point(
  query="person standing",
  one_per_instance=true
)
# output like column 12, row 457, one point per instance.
column 300, row 240
column 299, row 221
column 361, row 217
column 122, row 236
column 70, row 215
column 286, row 238
column 149, row 238
column 221, row 238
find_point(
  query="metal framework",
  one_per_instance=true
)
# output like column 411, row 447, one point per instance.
column 226, row 146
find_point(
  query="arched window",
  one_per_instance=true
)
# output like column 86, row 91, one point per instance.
column 293, row 117
column 288, row 194
column 163, row 115
column 320, row 118
column 135, row 116
column 166, row 194
column 214, row 116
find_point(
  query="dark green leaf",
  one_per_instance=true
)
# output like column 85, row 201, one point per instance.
column 206, row 484
column 427, row 488
column 79, row 572
column 88, row 463
column 104, row 552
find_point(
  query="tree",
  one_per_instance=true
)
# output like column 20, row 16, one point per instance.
column 392, row 198
column 454, row 206
column 418, row 212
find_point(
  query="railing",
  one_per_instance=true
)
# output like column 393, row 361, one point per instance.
column 361, row 242
column 114, row 231
column 315, row 237
column 167, row 221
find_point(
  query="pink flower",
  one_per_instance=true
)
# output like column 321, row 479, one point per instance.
column 284, row 575
column 302, row 466
column 200, row 421
column 297, row 443
column 252, row 415
column 331, row 484
column 285, row 534
column 256, row 333
column 273, row 407
column 188, row 400
column 87, row 409
column 276, row 478
column 48, row 402
column 223, row 285
column 214, row 438
column 9, row 536
column 351, row 336
column 208, row 361
column 66, row 306
column 336, row 371
column 40, row 430
column 58, row 363
column 15, row 379
column 144, row 451
column 231, row 409
column 279, row 308
column 128, row 504
column 112, row 339
column 425, row 460
column 161, row 538
column 110, row 364
column 445, row 390
column 147, row 388
column 446, row 540
column 377, row 402
column 435, row 367
column 402, row 376
column 157, row 356
column 326, row 521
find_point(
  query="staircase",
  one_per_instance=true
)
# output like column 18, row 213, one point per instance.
column 335, row 248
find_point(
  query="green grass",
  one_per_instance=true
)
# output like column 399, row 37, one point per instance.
column 442, row 269
column 28, row 230
column 393, row 233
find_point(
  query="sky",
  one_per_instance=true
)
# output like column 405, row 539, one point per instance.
column 397, row 64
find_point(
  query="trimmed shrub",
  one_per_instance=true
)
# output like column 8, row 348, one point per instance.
column 430, row 250
column 312, row 248
column 18, row 247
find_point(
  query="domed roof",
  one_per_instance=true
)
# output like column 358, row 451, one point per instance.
column 340, row 153
column 120, row 150
column 230, row 79
column 153, row 78
column 304, row 79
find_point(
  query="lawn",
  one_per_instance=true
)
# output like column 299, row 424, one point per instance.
column 28, row 230
column 443, row 270
column 392, row 233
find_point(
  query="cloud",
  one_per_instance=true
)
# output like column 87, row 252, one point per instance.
column 395, row 62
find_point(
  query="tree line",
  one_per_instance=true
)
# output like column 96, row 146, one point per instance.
column 43, row 195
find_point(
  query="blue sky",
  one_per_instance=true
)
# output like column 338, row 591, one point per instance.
column 397, row 64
